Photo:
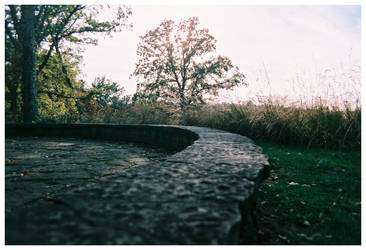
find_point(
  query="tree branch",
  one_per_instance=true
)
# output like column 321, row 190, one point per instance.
column 64, row 69
column 45, row 60
column 62, row 95
column 56, row 40
column 173, row 68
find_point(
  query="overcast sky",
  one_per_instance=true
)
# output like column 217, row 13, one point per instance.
column 283, row 50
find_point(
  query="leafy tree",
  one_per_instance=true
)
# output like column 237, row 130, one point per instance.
column 56, row 100
column 177, row 64
column 105, row 91
column 104, row 102
column 57, row 29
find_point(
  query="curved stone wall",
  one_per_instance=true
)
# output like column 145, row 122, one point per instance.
column 167, row 137
column 204, row 194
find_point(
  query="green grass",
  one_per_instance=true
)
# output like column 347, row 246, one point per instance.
column 313, row 196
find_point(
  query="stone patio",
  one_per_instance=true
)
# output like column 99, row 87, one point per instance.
column 203, row 194
column 39, row 168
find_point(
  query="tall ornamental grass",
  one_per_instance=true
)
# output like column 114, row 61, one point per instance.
column 317, row 125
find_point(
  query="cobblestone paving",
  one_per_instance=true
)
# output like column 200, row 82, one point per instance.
column 37, row 168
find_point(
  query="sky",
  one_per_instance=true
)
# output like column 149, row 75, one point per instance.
column 298, row 51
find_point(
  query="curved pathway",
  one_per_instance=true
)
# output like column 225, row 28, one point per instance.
column 204, row 194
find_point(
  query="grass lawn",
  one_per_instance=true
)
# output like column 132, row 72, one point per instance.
column 313, row 196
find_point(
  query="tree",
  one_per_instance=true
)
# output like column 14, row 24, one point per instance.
column 57, row 102
column 29, row 64
column 176, row 64
column 13, row 70
column 105, row 91
column 57, row 29
column 105, row 102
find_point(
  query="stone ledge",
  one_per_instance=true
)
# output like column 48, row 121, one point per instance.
column 204, row 194
column 167, row 137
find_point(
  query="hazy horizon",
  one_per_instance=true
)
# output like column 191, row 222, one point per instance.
column 298, row 51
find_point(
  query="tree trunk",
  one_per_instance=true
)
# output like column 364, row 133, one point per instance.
column 29, row 75
column 183, row 107
column 13, row 99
